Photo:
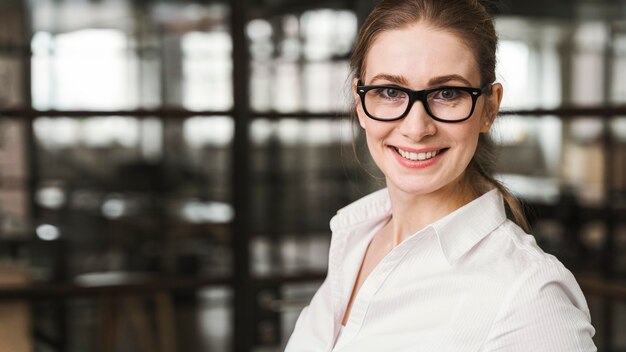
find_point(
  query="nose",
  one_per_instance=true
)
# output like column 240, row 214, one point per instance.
column 417, row 124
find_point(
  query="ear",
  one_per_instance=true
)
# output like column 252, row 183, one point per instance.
column 358, row 108
column 492, row 106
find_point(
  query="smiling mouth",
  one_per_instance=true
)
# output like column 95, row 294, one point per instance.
column 419, row 156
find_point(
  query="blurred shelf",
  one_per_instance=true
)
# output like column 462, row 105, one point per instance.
column 72, row 290
column 180, row 113
column 166, row 112
column 592, row 286
column 571, row 111
column 143, row 286
column 289, row 278
column 583, row 213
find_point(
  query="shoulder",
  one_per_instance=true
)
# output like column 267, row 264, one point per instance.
column 518, row 252
column 528, row 266
column 543, row 302
column 512, row 262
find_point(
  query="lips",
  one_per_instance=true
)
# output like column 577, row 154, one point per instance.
column 419, row 156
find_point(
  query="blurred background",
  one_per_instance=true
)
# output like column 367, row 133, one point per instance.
column 168, row 168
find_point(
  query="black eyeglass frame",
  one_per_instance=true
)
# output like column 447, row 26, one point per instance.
column 415, row 95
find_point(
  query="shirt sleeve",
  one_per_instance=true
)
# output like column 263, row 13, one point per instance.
column 313, row 330
column 546, row 312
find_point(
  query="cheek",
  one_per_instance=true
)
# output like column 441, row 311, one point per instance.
column 470, row 146
column 467, row 140
column 376, row 133
column 372, row 138
column 376, row 150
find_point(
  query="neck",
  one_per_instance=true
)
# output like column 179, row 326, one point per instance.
column 413, row 212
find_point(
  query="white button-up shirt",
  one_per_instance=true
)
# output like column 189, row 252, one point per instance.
column 472, row 281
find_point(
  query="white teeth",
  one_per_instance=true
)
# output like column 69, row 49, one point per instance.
column 417, row 156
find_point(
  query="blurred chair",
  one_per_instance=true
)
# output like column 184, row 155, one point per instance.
column 152, row 332
column 15, row 321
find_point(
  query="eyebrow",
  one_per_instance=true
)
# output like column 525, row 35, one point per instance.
column 391, row 78
column 445, row 79
column 432, row 82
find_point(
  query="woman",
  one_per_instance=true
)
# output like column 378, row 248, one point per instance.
column 431, row 263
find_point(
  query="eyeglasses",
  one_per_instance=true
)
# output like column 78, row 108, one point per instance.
column 445, row 104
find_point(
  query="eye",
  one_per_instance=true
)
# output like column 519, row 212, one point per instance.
column 392, row 93
column 389, row 93
column 447, row 94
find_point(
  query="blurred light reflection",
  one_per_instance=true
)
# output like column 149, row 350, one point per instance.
column 51, row 197
column 114, row 208
column 207, row 212
column 47, row 232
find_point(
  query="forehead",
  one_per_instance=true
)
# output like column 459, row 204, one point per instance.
column 420, row 53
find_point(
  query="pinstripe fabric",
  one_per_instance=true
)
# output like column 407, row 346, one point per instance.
column 472, row 281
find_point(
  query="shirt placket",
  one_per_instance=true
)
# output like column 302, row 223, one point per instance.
column 368, row 291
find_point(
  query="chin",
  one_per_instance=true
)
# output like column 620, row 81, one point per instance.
column 413, row 187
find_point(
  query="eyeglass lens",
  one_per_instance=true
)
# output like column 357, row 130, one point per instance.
column 446, row 104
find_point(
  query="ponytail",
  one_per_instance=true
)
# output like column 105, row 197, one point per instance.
column 480, row 173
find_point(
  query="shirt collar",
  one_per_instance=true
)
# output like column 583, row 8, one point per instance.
column 457, row 232
column 462, row 229
column 372, row 207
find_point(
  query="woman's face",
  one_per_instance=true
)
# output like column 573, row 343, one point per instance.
column 420, row 57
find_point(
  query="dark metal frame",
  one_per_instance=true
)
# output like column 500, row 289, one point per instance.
column 244, row 295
